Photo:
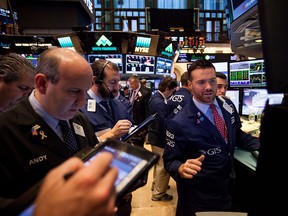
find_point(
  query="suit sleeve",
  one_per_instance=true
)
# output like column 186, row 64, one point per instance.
column 173, row 156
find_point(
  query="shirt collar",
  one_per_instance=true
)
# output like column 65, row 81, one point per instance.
column 94, row 96
column 203, row 107
column 51, row 121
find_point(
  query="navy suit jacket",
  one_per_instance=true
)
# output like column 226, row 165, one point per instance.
column 156, row 134
column 126, row 103
column 176, row 102
column 27, row 154
column 189, row 134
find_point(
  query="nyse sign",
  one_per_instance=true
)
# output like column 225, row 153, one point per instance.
column 142, row 49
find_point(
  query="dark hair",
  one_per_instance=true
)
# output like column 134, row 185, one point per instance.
column 99, row 66
column 199, row 64
column 221, row 75
column 14, row 66
column 184, row 79
column 167, row 82
column 125, row 87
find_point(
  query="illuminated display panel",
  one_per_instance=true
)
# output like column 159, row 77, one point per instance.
column 255, row 99
column 250, row 73
column 116, row 58
column 163, row 66
column 140, row 64
column 221, row 67
column 239, row 7
column 33, row 58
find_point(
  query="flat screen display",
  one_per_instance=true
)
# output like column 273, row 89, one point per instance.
column 115, row 58
column 234, row 96
column 250, row 73
column 239, row 7
column 163, row 66
column 255, row 99
column 32, row 58
column 221, row 67
column 140, row 64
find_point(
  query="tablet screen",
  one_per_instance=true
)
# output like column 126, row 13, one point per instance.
column 128, row 165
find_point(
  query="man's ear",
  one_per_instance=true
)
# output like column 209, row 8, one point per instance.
column 41, row 82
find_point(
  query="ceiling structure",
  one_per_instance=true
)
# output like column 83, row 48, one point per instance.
column 245, row 31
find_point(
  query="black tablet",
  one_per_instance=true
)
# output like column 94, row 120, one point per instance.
column 141, row 127
column 132, row 162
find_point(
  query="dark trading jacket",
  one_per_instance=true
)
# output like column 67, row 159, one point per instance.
column 27, row 154
column 189, row 134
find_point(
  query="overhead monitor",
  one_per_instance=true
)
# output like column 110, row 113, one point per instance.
column 250, row 73
column 239, row 7
column 163, row 66
column 140, row 64
column 33, row 58
column 142, row 44
column 70, row 41
column 255, row 99
column 101, row 42
column 116, row 58
column 221, row 67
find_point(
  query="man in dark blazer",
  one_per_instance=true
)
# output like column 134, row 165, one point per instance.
column 157, row 138
column 108, row 122
column 139, row 99
column 197, row 155
column 116, row 124
column 31, row 141
column 125, row 101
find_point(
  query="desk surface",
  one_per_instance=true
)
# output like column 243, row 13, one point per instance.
column 250, row 128
column 246, row 158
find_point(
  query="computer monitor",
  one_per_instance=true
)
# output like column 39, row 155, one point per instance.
column 33, row 58
column 140, row 64
column 221, row 67
column 255, row 99
column 249, row 73
column 115, row 58
column 163, row 66
column 239, row 7
column 234, row 96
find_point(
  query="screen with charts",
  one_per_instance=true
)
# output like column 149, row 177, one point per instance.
column 140, row 64
column 163, row 66
column 115, row 58
column 250, row 73
column 32, row 58
column 234, row 96
column 255, row 99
